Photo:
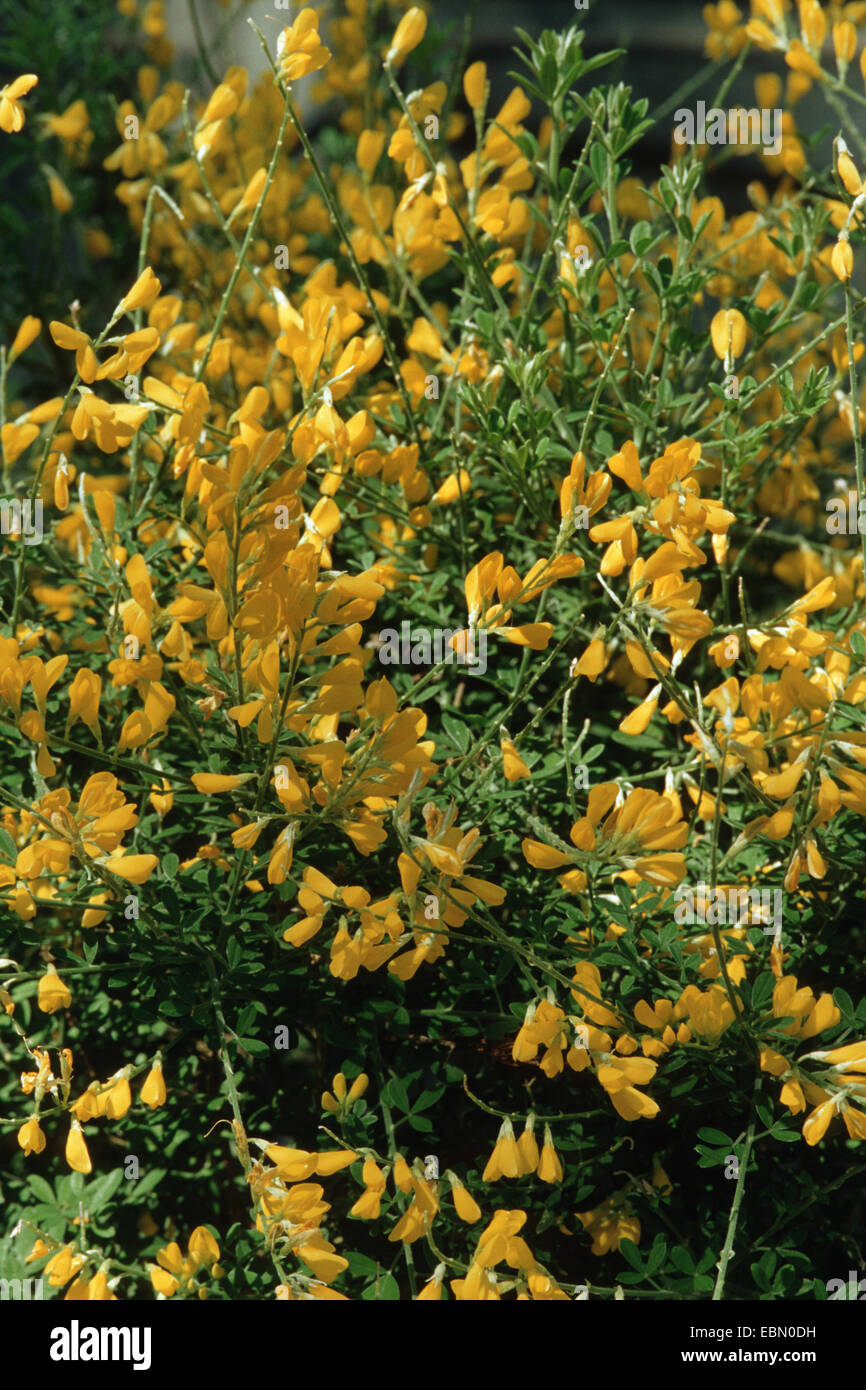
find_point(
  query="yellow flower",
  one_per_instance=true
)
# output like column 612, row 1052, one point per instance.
column 358, row 1087
column 402, row 1174
column 549, row 1164
column 153, row 1091
column 76, row 1149
column 474, row 84
column 816, row 1124
column 370, row 146
column 527, row 1147
column 840, row 1056
column 368, row 1204
column 761, row 34
column 98, row 1290
column 728, row 333
column 203, row 1247
column 456, row 485
column 299, row 48
column 513, row 764
column 162, row 798
column 813, row 22
column 408, row 34
column 610, row 1223
column 53, row 994
column 791, row 1095
column 343, row 1096
column 143, row 292
column 320, row 1256
column 464, row 1203
column 637, row 721
column 63, row 1266
column 854, row 1120
column 163, row 1282
column 800, row 59
column 115, row 1102
column 84, row 696
column 71, row 126
column 134, row 868
column 11, row 112
column 61, row 198
column 592, row 662
column 30, row 1137
column 847, row 171
column 842, row 259
column 28, row 332
column 505, row 1159
column 708, row 1012
column 333, row 1161
column 211, row 783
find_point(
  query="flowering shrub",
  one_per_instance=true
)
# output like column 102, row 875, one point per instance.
column 338, row 962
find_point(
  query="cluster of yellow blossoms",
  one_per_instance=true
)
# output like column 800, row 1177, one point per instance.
column 267, row 446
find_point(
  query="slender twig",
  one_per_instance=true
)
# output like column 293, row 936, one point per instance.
column 733, row 1219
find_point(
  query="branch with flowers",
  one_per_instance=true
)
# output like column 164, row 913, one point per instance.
column 431, row 676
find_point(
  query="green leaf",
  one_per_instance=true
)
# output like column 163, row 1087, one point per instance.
column 623, row 892
column 656, row 1256
column 640, row 237
column 428, row 1098
column 395, row 1093
column 547, row 74
column 845, row 1004
column 714, row 1136
column 787, row 1136
column 421, row 1123
column 147, row 1183
column 618, row 249
column 762, row 989
column 632, row 1254
column 384, row 1288
column 44, row 1191
column 598, row 164
column 682, row 1259
column 102, row 1190
column 457, row 731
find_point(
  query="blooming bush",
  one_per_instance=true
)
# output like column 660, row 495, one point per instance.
column 431, row 682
